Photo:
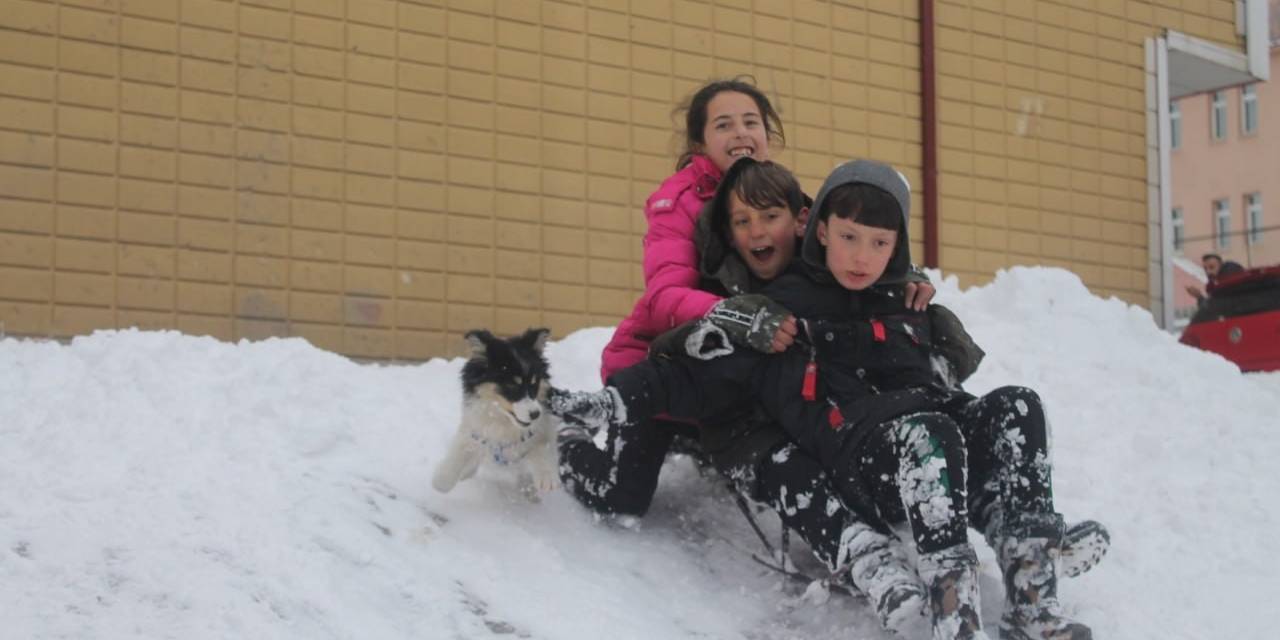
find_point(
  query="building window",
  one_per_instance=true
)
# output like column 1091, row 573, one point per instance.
column 1222, row 222
column 1179, row 234
column 1175, row 125
column 1253, row 217
column 1248, row 110
column 1218, row 116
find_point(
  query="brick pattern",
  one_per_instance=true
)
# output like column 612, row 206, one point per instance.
column 378, row 176
column 1042, row 129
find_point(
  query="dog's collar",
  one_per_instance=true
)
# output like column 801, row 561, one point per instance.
column 498, row 449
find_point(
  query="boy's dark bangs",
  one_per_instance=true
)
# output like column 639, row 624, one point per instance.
column 864, row 204
column 765, row 185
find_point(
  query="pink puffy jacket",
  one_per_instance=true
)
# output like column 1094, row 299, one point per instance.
column 670, row 265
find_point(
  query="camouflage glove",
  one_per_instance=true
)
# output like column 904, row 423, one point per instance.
column 706, row 341
column 750, row 319
column 697, row 338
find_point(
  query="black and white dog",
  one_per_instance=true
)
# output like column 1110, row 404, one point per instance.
column 504, row 387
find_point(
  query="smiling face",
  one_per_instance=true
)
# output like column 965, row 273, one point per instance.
column 765, row 238
column 856, row 253
column 734, row 129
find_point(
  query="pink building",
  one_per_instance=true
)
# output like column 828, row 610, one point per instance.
column 1225, row 175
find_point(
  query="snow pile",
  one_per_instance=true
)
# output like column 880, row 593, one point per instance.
column 160, row 485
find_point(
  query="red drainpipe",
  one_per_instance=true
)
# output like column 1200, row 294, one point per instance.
column 929, row 126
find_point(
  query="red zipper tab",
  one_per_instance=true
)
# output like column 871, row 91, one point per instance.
column 877, row 330
column 809, row 391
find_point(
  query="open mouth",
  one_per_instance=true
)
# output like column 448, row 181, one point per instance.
column 741, row 152
column 763, row 254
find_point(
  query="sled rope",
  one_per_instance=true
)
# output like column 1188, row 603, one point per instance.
column 779, row 559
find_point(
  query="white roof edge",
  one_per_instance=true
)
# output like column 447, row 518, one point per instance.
column 1209, row 51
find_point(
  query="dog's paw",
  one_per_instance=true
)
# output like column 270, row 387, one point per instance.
column 538, row 482
column 547, row 483
column 444, row 479
column 442, row 484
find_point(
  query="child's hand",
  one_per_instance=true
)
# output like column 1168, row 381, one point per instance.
column 785, row 336
column 753, row 320
column 919, row 294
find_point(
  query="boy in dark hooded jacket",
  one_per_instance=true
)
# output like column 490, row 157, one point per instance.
column 874, row 402
column 739, row 253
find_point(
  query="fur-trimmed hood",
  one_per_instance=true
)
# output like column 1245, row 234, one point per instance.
column 876, row 174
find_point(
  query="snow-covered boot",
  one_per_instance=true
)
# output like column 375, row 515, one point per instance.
column 1084, row 543
column 1083, row 546
column 952, row 577
column 592, row 409
column 1026, row 554
column 879, row 568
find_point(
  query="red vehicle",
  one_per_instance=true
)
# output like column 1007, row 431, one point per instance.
column 1240, row 319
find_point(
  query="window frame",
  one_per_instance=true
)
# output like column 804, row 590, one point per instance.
column 1248, row 110
column 1253, row 217
column 1218, row 116
column 1222, row 223
column 1178, row 222
column 1175, row 126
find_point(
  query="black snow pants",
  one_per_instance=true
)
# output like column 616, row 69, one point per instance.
column 754, row 454
column 912, row 468
column 979, row 459
column 1007, row 440
column 622, row 477
column 927, row 467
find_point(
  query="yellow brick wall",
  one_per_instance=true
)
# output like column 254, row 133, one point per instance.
column 379, row 176
column 1042, row 133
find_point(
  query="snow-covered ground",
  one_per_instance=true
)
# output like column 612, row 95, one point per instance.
column 155, row 485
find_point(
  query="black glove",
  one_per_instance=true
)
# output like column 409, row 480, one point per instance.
column 750, row 319
column 954, row 344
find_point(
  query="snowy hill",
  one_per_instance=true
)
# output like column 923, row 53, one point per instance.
column 155, row 485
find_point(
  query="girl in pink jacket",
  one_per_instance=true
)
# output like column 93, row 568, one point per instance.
column 724, row 121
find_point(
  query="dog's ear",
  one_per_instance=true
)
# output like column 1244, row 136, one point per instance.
column 479, row 340
column 536, row 338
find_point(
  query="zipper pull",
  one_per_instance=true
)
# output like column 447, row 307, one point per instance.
column 877, row 330
column 809, row 390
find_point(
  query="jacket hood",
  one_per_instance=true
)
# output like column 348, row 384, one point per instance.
column 876, row 174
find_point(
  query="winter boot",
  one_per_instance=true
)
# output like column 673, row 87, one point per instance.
column 1025, row 553
column 952, row 578
column 1083, row 546
column 879, row 568
column 591, row 409
column 1084, row 543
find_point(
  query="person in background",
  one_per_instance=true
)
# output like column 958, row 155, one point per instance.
column 1215, row 268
